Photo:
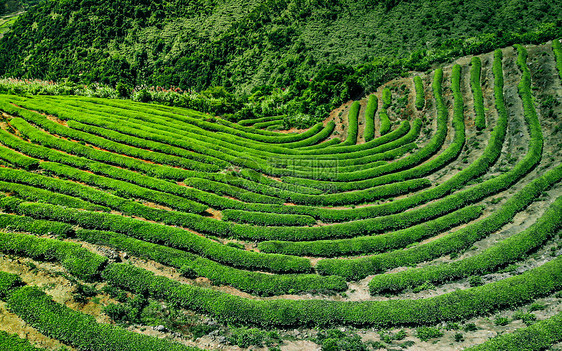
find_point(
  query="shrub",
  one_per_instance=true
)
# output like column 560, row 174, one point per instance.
column 267, row 219
column 193, row 266
column 39, row 227
column 78, row 329
column 527, row 318
column 420, row 96
column 459, row 337
column 49, row 141
column 480, row 120
column 375, row 243
column 475, row 280
column 366, row 266
column 427, row 333
column 386, row 98
column 336, row 340
column 539, row 336
column 159, row 233
column 384, row 121
column 557, row 48
column 8, row 282
column 87, row 194
column 13, row 343
column 370, row 111
column 124, row 189
column 457, row 305
column 247, row 337
column 18, row 159
column 79, row 261
column 352, row 119
column 537, row 306
column 501, row 321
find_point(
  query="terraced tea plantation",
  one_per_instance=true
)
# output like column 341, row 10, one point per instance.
column 426, row 217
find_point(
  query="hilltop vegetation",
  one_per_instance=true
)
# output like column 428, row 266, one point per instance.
column 11, row 6
column 277, row 56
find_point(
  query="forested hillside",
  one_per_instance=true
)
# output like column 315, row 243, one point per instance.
column 320, row 52
column 11, row 6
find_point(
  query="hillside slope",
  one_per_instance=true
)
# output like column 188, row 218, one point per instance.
column 130, row 226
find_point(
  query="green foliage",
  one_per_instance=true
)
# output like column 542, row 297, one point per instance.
column 539, row 336
column 490, row 260
column 370, row 110
column 384, row 121
column 420, row 95
column 388, row 337
column 8, row 282
column 47, row 140
column 427, row 333
column 116, row 293
column 210, row 186
column 352, row 120
column 13, row 343
column 383, row 114
column 265, row 219
column 39, row 227
column 266, row 125
column 124, row 188
column 460, row 304
column 452, row 326
column 189, row 242
column 365, row 266
column 186, row 191
column 129, row 312
column 527, row 318
column 336, row 340
column 475, row 280
column 361, row 178
column 476, row 67
column 536, row 307
column 424, row 286
column 83, row 292
column 246, row 337
column 249, row 158
column 278, row 54
column 33, row 194
column 253, row 122
column 501, row 321
column 98, row 141
column 18, row 159
column 252, row 282
column 557, row 48
column 75, row 190
column 158, row 233
column 78, row 329
column 386, row 98
column 376, row 243
column 10, row 6
column 79, row 261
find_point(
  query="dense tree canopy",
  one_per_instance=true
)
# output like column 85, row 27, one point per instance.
column 323, row 51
